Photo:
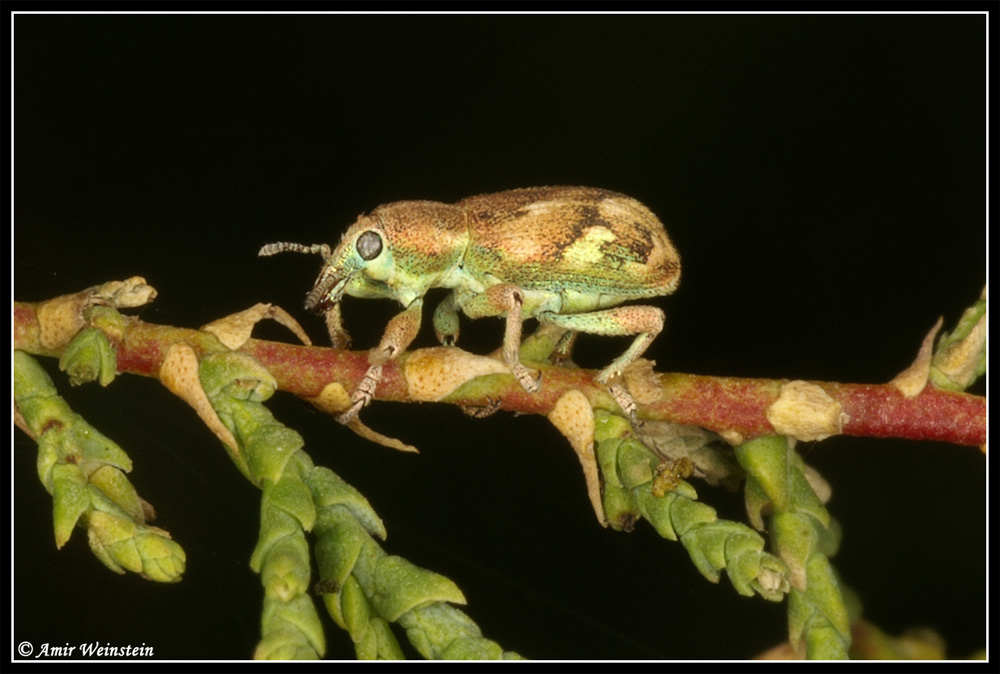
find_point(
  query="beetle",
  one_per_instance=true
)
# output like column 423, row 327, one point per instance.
column 563, row 255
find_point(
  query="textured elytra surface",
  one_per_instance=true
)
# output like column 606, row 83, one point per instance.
column 580, row 237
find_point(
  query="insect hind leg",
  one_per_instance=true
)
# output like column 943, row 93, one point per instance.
column 643, row 321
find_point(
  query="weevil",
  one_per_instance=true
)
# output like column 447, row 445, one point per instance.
column 563, row 255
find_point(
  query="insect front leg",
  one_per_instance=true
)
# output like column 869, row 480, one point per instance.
column 399, row 334
column 339, row 339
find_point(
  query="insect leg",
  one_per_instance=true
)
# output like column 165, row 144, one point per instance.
column 645, row 322
column 399, row 334
column 499, row 300
column 563, row 353
column 339, row 338
column 446, row 324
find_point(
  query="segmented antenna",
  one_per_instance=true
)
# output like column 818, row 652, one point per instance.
column 285, row 247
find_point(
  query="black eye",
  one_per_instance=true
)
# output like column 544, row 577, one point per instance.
column 369, row 245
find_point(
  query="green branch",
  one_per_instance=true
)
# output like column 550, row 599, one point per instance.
column 804, row 536
column 633, row 488
column 85, row 473
column 363, row 588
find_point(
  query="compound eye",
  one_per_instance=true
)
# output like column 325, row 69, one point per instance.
column 369, row 245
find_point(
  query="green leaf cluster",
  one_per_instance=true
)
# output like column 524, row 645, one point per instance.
column 630, row 470
column 84, row 471
column 804, row 536
column 363, row 588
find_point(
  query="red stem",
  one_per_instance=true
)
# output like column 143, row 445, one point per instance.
column 715, row 403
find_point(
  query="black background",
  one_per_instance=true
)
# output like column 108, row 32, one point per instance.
column 822, row 176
